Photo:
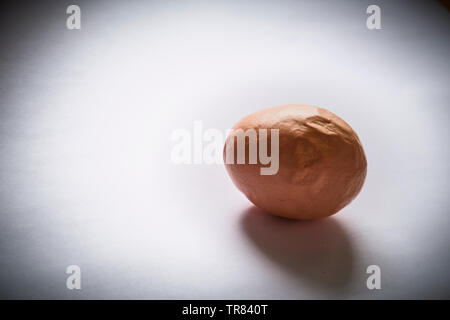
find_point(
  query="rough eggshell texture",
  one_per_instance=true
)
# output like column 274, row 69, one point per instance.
column 322, row 165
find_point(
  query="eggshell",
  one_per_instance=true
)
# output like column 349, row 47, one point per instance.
column 322, row 165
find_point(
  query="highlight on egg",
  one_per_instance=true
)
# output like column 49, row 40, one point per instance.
column 296, row 161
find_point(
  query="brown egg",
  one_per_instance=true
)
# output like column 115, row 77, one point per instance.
column 321, row 163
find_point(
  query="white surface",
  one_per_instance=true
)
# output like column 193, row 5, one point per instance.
column 86, row 176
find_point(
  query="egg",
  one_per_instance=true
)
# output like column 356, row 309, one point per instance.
column 296, row 161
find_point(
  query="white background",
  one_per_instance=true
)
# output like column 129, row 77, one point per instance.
column 86, row 176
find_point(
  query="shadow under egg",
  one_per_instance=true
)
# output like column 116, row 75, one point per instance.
column 316, row 252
